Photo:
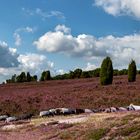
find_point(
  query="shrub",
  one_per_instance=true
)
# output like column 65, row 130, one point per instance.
column 132, row 71
column 106, row 72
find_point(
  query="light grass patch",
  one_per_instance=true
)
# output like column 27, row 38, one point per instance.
column 101, row 120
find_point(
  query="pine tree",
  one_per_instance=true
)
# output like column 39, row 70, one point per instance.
column 132, row 71
column 106, row 72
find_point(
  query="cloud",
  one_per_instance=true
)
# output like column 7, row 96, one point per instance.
column 11, row 62
column 60, row 72
column 17, row 36
column 29, row 29
column 8, row 56
column 44, row 14
column 50, row 14
column 26, row 29
column 56, row 41
column 120, row 7
column 120, row 49
column 90, row 67
column 34, row 62
column 18, row 40
column 27, row 11
column 30, row 62
column 63, row 28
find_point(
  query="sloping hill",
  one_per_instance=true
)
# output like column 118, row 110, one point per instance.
column 78, row 93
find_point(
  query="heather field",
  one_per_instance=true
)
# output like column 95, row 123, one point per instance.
column 78, row 93
column 17, row 99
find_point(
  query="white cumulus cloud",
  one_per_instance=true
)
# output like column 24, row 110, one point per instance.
column 62, row 28
column 13, row 63
column 120, row 7
column 30, row 62
column 120, row 49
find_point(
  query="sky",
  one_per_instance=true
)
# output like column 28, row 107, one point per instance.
column 62, row 35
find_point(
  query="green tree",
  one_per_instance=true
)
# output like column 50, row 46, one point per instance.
column 34, row 78
column 13, row 79
column 8, row 81
column 123, row 72
column 106, row 72
column 42, row 76
column 132, row 71
column 45, row 76
column 21, row 78
column 71, row 75
column 96, row 72
column 116, row 72
column 77, row 73
column 85, row 74
column 29, row 78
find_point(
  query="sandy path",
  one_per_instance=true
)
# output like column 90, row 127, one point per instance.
column 75, row 119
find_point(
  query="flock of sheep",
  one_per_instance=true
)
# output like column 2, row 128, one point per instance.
column 68, row 111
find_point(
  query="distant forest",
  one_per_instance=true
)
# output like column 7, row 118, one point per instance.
column 77, row 73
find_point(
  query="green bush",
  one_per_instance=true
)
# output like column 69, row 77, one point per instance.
column 106, row 72
column 132, row 71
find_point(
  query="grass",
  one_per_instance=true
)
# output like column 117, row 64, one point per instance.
column 98, row 126
column 96, row 134
column 66, row 135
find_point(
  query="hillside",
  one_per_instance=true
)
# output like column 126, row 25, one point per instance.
column 77, row 93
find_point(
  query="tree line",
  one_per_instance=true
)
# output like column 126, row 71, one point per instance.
column 23, row 77
column 105, row 73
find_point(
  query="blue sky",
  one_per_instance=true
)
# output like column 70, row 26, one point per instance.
column 62, row 35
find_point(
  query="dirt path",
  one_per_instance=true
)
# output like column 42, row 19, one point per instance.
column 76, row 119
